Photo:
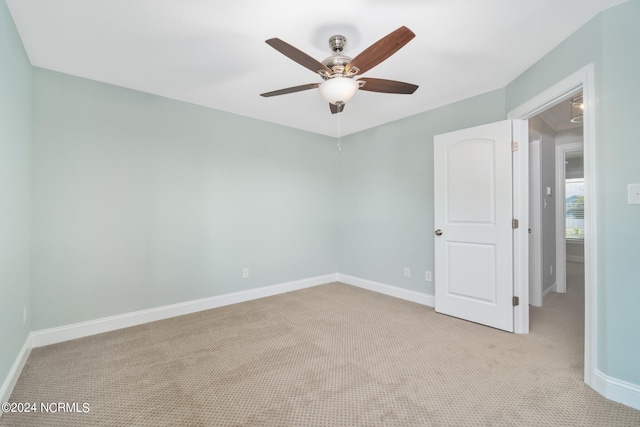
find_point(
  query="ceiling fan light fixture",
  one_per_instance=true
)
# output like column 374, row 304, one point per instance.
column 338, row 90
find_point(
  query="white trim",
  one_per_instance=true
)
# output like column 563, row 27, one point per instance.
column 112, row 323
column 394, row 291
column 552, row 96
column 535, row 220
column 551, row 290
column 520, row 179
column 590, row 245
column 15, row 371
column 561, row 246
column 581, row 79
column 617, row 390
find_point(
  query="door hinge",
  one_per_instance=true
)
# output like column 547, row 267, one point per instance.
column 514, row 146
column 516, row 301
column 515, row 223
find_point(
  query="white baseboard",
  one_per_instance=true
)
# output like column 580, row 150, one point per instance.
column 393, row 291
column 112, row 323
column 15, row 371
column 617, row 390
column 551, row 291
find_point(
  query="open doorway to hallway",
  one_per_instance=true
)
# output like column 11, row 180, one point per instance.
column 580, row 81
column 556, row 205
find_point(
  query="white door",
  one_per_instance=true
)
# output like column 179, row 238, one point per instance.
column 473, row 222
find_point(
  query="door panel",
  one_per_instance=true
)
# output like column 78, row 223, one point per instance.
column 470, row 182
column 473, row 210
column 468, row 277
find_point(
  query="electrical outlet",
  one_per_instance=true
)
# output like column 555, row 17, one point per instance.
column 407, row 272
column 428, row 276
column 245, row 273
column 24, row 315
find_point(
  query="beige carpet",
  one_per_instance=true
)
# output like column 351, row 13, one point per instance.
column 333, row 355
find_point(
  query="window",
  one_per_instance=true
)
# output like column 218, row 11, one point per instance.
column 574, row 208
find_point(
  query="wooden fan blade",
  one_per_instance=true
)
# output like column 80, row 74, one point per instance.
column 336, row 108
column 297, row 55
column 291, row 90
column 387, row 86
column 381, row 50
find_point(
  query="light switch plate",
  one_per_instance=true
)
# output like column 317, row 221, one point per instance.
column 634, row 194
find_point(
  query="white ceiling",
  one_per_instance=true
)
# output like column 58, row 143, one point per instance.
column 212, row 52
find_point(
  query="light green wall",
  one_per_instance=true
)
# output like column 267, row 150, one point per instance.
column 619, row 165
column 386, row 192
column 609, row 41
column 15, row 129
column 141, row 201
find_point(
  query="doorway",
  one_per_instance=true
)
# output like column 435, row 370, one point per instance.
column 580, row 81
column 556, row 198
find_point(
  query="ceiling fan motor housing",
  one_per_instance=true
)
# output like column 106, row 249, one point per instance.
column 337, row 62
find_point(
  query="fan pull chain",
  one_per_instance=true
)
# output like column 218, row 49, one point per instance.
column 339, row 132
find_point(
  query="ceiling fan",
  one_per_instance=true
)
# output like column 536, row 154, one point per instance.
column 338, row 70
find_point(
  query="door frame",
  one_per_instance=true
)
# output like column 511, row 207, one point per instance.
column 535, row 220
column 582, row 79
column 561, row 240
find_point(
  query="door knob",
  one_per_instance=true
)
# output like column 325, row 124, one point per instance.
column 438, row 232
